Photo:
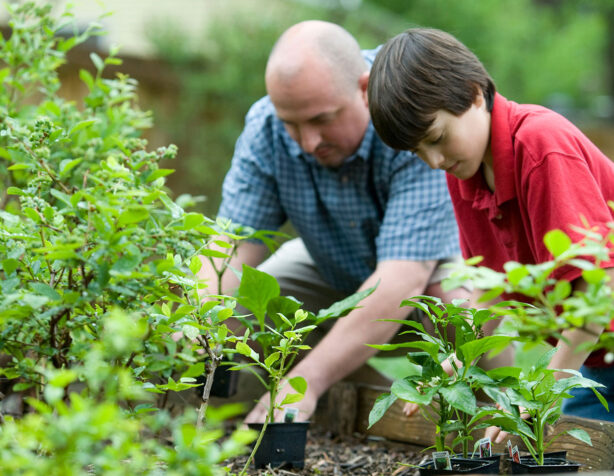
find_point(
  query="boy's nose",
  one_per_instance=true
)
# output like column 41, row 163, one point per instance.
column 434, row 159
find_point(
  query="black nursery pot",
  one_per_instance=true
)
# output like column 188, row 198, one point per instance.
column 555, row 462
column 225, row 382
column 282, row 446
column 462, row 466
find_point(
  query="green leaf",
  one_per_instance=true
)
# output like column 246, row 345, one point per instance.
column 594, row 276
column 87, row 78
column 67, row 165
column 460, row 396
column 156, row 174
column 19, row 167
column 557, row 242
column 292, row 398
column 98, row 63
column 271, row 359
column 14, row 191
column 81, row 125
column 195, row 370
column 132, row 215
column 581, row 435
column 299, row 384
column 45, row 290
column 343, row 307
column 407, row 391
column 380, row 407
column 63, row 378
column 10, row 265
column 473, row 349
column 256, row 289
column 192, row 220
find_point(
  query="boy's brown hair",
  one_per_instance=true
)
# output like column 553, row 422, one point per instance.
column 418, row 73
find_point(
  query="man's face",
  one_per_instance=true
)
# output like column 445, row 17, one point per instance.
column 326, row 122
column 458, row 144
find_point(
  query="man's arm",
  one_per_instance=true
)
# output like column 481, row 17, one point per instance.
column 343, row 348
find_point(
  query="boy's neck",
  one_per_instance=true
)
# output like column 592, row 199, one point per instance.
column 488, row 170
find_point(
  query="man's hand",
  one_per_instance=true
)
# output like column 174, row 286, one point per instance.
column 305, row 407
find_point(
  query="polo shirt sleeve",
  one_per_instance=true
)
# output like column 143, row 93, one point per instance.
column 418, row 220
column 250, row 193
column 562, row 192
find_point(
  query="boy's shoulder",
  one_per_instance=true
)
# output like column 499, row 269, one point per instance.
column 542, row 130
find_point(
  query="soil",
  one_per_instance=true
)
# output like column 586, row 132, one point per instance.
column 326, row 454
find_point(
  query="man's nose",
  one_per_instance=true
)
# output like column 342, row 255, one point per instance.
column 309, row 139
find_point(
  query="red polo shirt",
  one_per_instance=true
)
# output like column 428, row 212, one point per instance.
column 547, row 175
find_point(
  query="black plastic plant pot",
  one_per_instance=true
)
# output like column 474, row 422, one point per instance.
column 491, row 463
column 461, row 466
column 282, row 446
column 551, row 465
column 225, row 382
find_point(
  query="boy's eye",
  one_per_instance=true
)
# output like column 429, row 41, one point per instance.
column 438, row 139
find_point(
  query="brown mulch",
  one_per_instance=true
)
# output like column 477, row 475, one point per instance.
column 326, row 454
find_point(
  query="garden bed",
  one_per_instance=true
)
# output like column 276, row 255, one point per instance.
column 327, row 454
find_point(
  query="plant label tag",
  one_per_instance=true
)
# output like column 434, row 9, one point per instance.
column 509, row 448
column 290, row 414
column 485, row 448
column 515, row 454
column 441, row 460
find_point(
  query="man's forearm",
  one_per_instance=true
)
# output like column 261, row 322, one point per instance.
column 344, row 348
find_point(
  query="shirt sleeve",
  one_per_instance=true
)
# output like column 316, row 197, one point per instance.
column 562, row 193
column 249, row 193
column 419, row 221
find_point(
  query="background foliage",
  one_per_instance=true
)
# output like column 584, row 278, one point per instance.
column 540, row 51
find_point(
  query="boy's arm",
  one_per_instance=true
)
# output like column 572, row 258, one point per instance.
column 567, row 356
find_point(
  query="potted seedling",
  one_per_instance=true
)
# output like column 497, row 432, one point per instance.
column 554, row 306
column 278, row 327
column 533, row 403
column 217, row 380
column 444, row 377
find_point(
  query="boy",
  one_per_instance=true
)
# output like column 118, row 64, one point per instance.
column 514, row 171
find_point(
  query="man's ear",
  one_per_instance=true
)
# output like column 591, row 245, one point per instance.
column 363, row 82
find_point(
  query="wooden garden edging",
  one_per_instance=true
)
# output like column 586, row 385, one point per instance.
column 347, row 411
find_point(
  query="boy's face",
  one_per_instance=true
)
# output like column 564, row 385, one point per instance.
column 458, row 144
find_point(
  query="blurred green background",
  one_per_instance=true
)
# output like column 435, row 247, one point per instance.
column 557, row 53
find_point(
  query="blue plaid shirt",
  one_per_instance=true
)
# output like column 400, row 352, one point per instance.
column 381, row 204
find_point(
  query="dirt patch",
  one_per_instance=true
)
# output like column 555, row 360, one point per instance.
column 326, row 454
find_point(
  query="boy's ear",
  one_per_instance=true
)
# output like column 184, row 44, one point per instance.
column 363, row 82
column 479, row 96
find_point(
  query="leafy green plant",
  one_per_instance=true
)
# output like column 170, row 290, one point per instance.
column 554, row 305
column 280, row 339
column 443, row 374
column 534, row 401
column 98, row 270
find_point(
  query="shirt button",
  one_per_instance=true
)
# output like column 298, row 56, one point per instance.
column 499, row 216
column 344, row 179
column 352, row 224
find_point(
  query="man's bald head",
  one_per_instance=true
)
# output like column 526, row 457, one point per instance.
column 317, row 44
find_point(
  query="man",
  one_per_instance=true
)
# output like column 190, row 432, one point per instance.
column 365, row 213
